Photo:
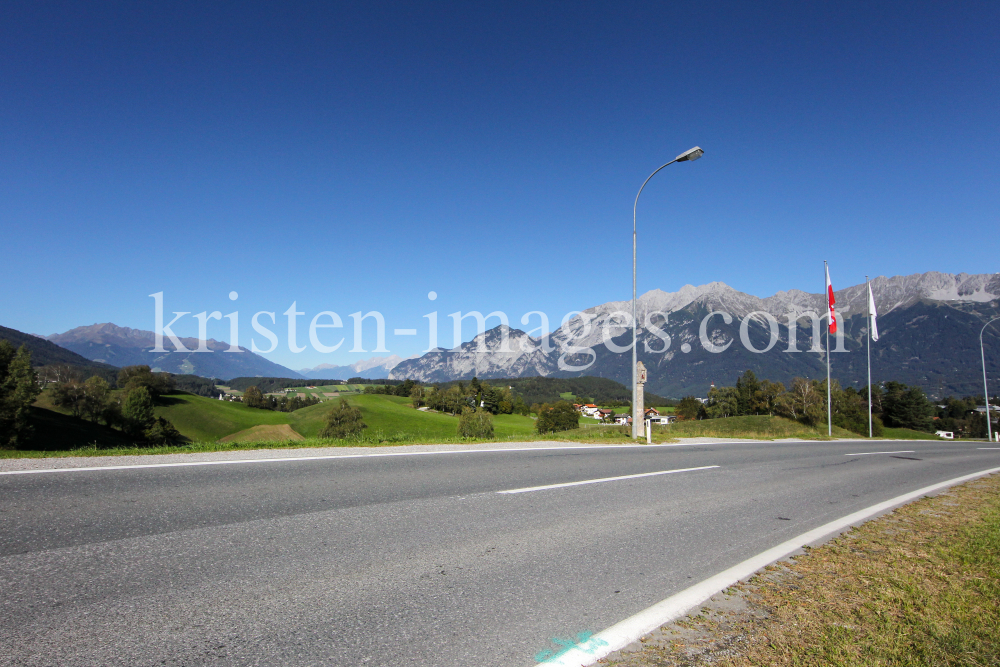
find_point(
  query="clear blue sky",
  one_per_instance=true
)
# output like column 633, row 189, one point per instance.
column 355, row 157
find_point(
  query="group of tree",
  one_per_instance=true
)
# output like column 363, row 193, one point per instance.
column 130, row 409
column 894, row 404
column 197, row 385
column 253, row 397
column 274, row 384
column 397, row 388
column 455, row 398
column 586, row 389
column 18, row 390
column 959, row 416
column 560, row 416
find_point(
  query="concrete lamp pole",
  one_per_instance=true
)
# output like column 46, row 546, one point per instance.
column 686, row 156
column 986, row 390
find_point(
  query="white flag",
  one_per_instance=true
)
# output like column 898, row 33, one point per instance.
column 871, row 309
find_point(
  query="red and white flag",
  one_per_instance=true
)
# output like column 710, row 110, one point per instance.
column 829, row 296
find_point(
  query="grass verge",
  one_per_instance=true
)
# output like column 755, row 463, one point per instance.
column 753, row 427
column 271, row 437
column 919, row 586
column 907, row 434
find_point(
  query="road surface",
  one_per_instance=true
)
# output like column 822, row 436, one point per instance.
column 408, row 560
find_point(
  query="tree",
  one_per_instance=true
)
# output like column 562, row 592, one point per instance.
column 850, row 411
column 877, row 395
column 689, row 408
column 253, row 398
column 610, row 417
column 767, row 396
column 96, row 393
column 70, row 395
column 490, row 398
column 417, row 396
column 907, row 407
column 137, row 412
column 802, row 402
column 747, row 401
column 162, row 432
column 559, row 417
column 520, row 407
column 18, row 390
column 476, row 423
column 723, row 402
column 343, row 421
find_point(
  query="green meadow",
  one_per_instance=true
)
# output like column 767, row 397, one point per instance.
column 213, row 425
column 208, row 419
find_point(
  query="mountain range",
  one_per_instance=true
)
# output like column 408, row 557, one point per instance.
column 928, row 323
column 46, row 353
column 121, row 346
column 376, row 368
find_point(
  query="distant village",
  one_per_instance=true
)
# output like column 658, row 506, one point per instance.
column 610, row 417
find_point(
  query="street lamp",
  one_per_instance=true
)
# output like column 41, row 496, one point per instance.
column 687, row 156
column 986, row 390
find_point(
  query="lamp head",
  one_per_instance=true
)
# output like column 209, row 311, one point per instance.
column 690, row 155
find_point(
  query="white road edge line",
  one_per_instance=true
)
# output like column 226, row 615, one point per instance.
column 904, row 451
column 631, row 629
column 528, row 489
column 281, row 459
column 987, row 447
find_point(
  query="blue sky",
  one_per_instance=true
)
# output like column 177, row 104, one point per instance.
column 355, row 157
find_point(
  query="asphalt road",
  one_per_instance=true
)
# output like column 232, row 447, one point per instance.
column 406, row 560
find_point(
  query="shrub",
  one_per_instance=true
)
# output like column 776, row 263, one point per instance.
column 162, row 432
column 476, row 423
column 559, row 417
column 343, row 421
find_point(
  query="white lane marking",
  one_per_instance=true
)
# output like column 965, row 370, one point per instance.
column 904, row 451
column 987, row 447
column 624, row 633
column 603, row 479
column 359, row 456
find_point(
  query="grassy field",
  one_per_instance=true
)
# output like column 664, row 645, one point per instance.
column 320, row 390
column 394, row 417
column 264, row 432
column 746, row 427
column 907, row 434
column 208, row 419
column 916, row 587
column 213, row 425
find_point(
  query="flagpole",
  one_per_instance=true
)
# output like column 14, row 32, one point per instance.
column 869, row 337
column 829, row 403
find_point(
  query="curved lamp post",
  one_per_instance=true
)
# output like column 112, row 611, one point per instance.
column 986, row 390
column 687, row 156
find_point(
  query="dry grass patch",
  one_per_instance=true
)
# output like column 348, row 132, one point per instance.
column 920, row 586
column 264, row 432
